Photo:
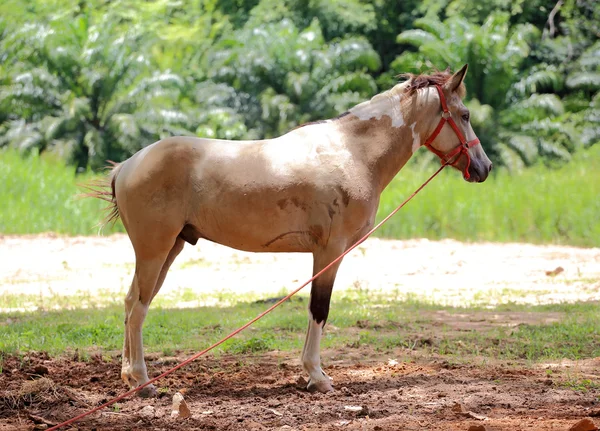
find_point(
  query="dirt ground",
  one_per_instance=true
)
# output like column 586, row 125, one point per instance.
column 447, row 272
column 401, row 390
column 266, row 392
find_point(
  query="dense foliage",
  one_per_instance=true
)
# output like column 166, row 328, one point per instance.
column 96, row 80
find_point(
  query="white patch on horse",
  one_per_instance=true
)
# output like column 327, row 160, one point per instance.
column 385, row 104
column 314, row 145
column 311, row 359
column 416, row 138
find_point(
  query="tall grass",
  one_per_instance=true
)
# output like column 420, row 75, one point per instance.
column 40, row 194
column 539, row 205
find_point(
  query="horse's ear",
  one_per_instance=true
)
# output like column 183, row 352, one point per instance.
column 456, row 79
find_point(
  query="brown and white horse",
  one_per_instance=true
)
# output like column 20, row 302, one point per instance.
column 315, row 189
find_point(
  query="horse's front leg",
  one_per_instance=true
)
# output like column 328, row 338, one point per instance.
column 320, row 296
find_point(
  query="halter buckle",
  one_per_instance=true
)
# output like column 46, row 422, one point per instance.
column 446, row 115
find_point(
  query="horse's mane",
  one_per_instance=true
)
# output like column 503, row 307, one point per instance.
column 416, row 82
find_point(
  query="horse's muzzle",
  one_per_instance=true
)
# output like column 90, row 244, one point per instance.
column 478, row 171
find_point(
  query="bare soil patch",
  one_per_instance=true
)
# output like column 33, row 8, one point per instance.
column 446, row 272
column 267, row 392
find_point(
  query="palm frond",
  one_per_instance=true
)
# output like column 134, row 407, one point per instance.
column 524, row 145
column 509, row 157
column 590, row 58
column 584, row 80
column 355, row 53
column 548, row 79
column 549, row 103
column 432, row 26
column 590, row 135
column 416, row 37
column 553, row 150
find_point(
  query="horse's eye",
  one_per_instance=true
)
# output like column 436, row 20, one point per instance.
column 465, row 117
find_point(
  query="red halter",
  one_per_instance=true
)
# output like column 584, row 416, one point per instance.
column 464, row 146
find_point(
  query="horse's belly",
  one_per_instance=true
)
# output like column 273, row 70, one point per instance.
column 257, row 240
column 268, row 231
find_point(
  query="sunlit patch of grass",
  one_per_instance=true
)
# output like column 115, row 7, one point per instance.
column 357, row 319
column 538, row 205
column 53, row 301
column 579, row 384
column 40, row 194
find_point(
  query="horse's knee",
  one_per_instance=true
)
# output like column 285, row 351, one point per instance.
column 137, row 314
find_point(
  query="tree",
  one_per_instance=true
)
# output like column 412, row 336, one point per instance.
column 83, row 91
column 284, row 76
column 520, row 111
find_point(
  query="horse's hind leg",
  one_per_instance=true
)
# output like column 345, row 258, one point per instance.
column 320, row 296
column 179, row 243
column 149, row 276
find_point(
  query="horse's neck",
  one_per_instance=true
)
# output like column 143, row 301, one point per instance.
column 384, row 132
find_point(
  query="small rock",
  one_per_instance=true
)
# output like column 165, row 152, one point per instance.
column 477, row 428
column 301, row 383
column 584, row 425
column 555, row 271
column 180, row 408
column 359, row 410
column 148, row 412
column 458, row 408
column 392, row 362
column 475, row 416
column 353, row 408
column 41, row 370
column 286, row 428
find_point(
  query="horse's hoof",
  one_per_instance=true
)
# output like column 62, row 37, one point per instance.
column 148, row 392
column 323, row 386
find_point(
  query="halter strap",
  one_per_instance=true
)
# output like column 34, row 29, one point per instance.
column 452, row 157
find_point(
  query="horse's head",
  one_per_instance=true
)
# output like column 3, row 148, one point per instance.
column 455, row 143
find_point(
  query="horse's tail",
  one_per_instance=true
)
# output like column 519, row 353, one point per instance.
column 105, row 189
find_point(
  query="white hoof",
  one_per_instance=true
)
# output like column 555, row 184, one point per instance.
column 323, row 386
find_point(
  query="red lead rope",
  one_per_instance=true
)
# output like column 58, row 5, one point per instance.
column 241, row 328
column 447, row 159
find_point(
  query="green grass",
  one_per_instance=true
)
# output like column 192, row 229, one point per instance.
column 539, row 205
column 357, row 319
column 40, row 194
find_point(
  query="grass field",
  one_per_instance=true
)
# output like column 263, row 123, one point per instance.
column 539, row 205
column 357, row 319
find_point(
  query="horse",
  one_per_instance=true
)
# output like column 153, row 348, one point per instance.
column 315, row 189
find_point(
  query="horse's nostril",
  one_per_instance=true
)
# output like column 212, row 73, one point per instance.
column 490, row 168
